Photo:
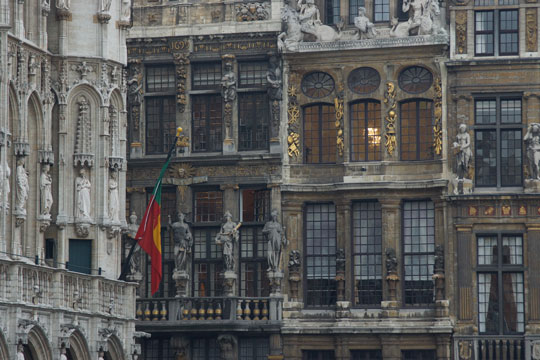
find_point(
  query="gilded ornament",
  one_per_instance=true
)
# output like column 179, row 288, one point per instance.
column 531, row 29
column 391, row 117
column 465, row 350
column 181, row 62
column 461, row 32
column 437, row 129
column 338, row 104
column 182, row 171
column 293, row 111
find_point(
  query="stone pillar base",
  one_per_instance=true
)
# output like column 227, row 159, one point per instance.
column 390, row 309
column 532, row 186
column 442, row 308
column 275, row 277
column 229, row 283
column 181, row 279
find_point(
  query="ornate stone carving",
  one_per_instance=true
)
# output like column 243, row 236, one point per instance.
column 63, row 4
column 22, row 187
column 275, row 236
column 5, row 178
column 366, row 29
column 465, row 350
column 45, row 186
column 532, row 143
column 293, row 130
column 294, row 274
column 391, row 273
column 461, row 32
column 83, row 69
column 83, row 137
column 531, row 29
column 181, row 61
column 438, row 272
column 391, row 117
column 252, row 11
column 535, row 351
column 114, row 201
column 437, row 114
column 338, row 105
column 464, row 153
column 274, row 80
column 183, row 242
column 423, row 19
column 125, row 16
column 227, row 237
column 340, row 274
column 228, row 347
column 228, row 92
column 82, row 196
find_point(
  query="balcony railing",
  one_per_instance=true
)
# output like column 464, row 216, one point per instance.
column 493, row 347
column 47, row 287
column 209, row 308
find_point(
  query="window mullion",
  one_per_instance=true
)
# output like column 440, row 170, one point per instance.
column 320, row 135
column 418, row 140
column 498, row 140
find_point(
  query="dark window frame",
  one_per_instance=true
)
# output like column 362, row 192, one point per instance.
column 165, row 138
column 211, row 132
column 255, row 133
column 418, row 127
column 496, row 32
column 201, row 65
column 322, row 354
column 330, row 7
column 385, row 15
column 255, row 344
column 353, row 14
column 498, row 126
column 424, row 354
column 320, row 138
column 366, row 354
column 354, row 156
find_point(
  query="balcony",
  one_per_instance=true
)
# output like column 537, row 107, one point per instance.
column 50, row 288
column 193, row 310
column 494, row 347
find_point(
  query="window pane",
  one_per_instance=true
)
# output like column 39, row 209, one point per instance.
column 206, row 75
column 207, row 123
column 487, row 250
column 252, row 74
column 208, row 206
column 416, row 130
column 367, row 252
column 484, row 32
column 513, row 303
column 205, row 349
column 253, row 263
column 419, row 251
column 254, row 348
column 511, row 111
column 160, row 124
column 366, row 131
column 320, row 254
column 512, row 250
column 318, row 355
column 332, row 12
column 508, row 27
column 488, row 303
column 419, row 355
column 253, row 116
column 255, row 205
column 381, row 10
column 511, row 167
column 485, row 111
column 157, row 349
column 160, row 79
column 485, row 161
column 366, row 355
column 320, row 134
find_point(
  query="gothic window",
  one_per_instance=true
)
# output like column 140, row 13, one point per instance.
column 367, row 253
column 205, row 349
column 207, row 123
column 168, row 208
column 419, row 355
column 366, row 355
column 160, row 108
column 253, row 127
column 364, row 80
column 501, row 306
column 317, row 85
column 254, row 348
column 381, row 10
column 498, row 138
column 253, row 246
column 353, row 9
column 320, row 134
column 318, row 355
column 157, row 349
column 415, row 79
column 418, row 251
column 490, row 25
column 416, row 130
column 320, row 255
column 365, row 128
column 207, row 255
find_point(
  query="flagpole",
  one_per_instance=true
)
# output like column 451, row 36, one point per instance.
column 125, row 268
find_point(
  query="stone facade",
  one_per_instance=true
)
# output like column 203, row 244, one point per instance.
column 63, row 91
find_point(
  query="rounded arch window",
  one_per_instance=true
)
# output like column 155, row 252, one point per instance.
column 415, row 79
column 317, row 85
column 364, row 80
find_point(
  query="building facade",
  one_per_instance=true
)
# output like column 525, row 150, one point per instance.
column 62, row 165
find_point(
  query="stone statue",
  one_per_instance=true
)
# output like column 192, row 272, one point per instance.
column 22, row 187
column 126, row 11
column 294, row 260
column 366, row 29
column 276, row 239
column 63, row 4
column 228, row 83
column 45, row 186
column 20, row 352
column 274, row 78
column 183, row 242
column 114, row 202
column 135, row 261
column 227, row 237
column 309, row 17
column 135, row 85
column 290, row 38
column 391, row 261
column 439, row 259
column 106, row 6
column 463, row 158
column 101, row 355
column 340, row 260
column 423, row 19
column 532, row 142
column 63, row 354
column 83, row 186
column 227, row 346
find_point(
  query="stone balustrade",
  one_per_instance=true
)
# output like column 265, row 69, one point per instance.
column 210, row 308
column 495, row 347
column 47, row 287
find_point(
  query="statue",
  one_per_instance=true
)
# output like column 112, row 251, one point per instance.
column 276, row 239
column 63, row 4
column 366, row 29
column 439, row 259
column 101, row 355
column 391, row 261
column 135, row 261
column 532, row 142
column 63, row 354
column 463, row 159
column 135, row 85
column 274, row 78
column 83, row 186
column 424, row 19
column 340, row 260
column 290, row 38
column 113, row 197
column 309, row 17
column 228, row 83
column 126, row 11
column 20, row 352
column 294, row 260
column 183, row 242
column 45, row 186
column 227, row 346
column 227, row 237
column 22, row 187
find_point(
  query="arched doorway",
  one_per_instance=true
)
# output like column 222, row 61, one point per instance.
column 37, row 347
column 3, row 347
column 78, row 347
column 115, row 350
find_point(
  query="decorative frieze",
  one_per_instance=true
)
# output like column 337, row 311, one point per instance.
column 391, row 117
column 531, row 29
column 253, row 11
column 461, row 32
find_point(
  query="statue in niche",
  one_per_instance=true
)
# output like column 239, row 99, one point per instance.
column 391, row 261
column 366, row 29
column 135, row 261
column 22, row 187
column 227, row 346
column 114, row 202
column 227, row 237
column 228, row 83
column 135, row 85
column 20, row 352
column 45, row 186
column 275, row 235
column 83, row 186
column 274, row 78
column 183, row 242
column 106, row 6
column 125, row 11
column 464, row 155
column 532, row 142
column 63, row 4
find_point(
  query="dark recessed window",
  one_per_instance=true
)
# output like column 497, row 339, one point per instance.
column 204, row 349
column 419, row 355
column 253, row 122
column 333, row 12
column 206, row 75
column 320, row 134
column 208, row 206
column 364, row 80
column 254, row 348
column 252, row 74
column 416, row 130
column 160, row 124
column 365, row 131
column 207, row 123
column 366, row 355
column 415, row 79
column 317, row 85
column 318, row 355
column 160, row 79
column 157, row 349
column 381, row 10
column 492, row 24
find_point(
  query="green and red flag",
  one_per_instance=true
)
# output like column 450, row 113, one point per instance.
column 149, row 232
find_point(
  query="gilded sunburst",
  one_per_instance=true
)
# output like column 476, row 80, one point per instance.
column 183, row 171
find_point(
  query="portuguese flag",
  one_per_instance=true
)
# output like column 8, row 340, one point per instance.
column 149, row 232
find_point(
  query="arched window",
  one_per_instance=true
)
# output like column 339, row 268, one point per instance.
column 320, row 134
column 416, row 129
column 365, row 130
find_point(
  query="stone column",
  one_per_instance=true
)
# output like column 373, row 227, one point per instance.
column 45, row 9
column 391, row 230
column 292, row 221
column 443, row 347
column 464, row 273
column 230, row 203
column 344, row 278
column 18, row 14
column 63, row 15
column 230, row 103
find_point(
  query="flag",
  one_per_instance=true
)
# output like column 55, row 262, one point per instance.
column 149, row 232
